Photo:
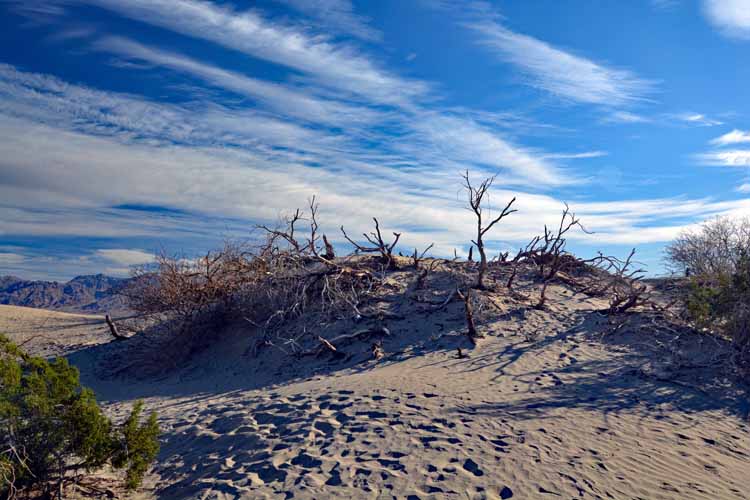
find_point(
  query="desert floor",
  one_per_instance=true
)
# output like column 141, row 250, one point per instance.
column 550, row 404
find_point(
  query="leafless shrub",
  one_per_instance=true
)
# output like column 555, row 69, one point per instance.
column 547, row 253
column 524, row 255
column 713, row 250
column 550, row 255
column 417, row 258
column 478, row 195
column 286, row 277
column 304, row 249
column 187, row 288
column 621, row 281
column 378, row 245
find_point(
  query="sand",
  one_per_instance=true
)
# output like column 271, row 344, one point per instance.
column 560, row 403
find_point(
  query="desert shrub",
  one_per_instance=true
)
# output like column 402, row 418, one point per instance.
column 140, row 445
column 718, row 300
column 189, row 287
column 52, row 428
column 712, row 250
column 288, row 275
column 701, row 302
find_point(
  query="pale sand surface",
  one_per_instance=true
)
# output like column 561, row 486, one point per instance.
column 574, row 413
column 51, row 333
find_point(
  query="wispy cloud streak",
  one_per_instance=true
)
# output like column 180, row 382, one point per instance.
column 559, row 72
column 337, row 15
column 733, row 137
column 337, row 66
column 280, row 98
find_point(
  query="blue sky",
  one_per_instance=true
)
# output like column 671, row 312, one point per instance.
column 134, row 126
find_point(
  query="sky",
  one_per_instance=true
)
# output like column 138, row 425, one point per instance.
column 131, row 127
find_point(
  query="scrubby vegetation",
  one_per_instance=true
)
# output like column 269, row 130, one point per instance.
column 716, row 259
column 52, row 429
column 292, row 285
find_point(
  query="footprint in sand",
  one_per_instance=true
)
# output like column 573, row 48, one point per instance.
column 471, row 466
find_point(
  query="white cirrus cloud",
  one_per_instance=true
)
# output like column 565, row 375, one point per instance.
column 126, row 257
column 279, row 98
column 207, row 161
column 698, row 119
column 560, row 72
column 732, row 17
column 576, row 156
column 621, row 116
column 337, row 66
column 733, row 137
column 337, row 15
column 731, row 158
column 275, row 141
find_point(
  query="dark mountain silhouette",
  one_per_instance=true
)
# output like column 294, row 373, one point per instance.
column 87, row 294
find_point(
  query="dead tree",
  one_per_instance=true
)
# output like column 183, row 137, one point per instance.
column 547, row 253
column 378, row 245
column 476, row 205
column 471, row 329
column 549, row 257
column 417, row 258
column 307, row 248
column 330, row 254
column 113, row 328
column 622, row 282
column 287, row 234
column 522, row 255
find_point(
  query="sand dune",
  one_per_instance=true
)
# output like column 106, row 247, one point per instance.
column 550, row 404
column 51, row 333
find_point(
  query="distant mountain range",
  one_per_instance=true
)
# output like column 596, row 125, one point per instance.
column 93, row 294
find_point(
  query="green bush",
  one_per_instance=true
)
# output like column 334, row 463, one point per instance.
column 52, row 428
column 721, row 303
column 702, row 302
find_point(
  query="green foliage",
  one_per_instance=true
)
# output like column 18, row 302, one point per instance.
column 702, row 302
column 721, row 303
column 140, row 446
column 51, row 427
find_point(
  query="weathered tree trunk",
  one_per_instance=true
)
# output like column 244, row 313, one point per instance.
column 482, row 265
column 330, row 253
column 113, row 328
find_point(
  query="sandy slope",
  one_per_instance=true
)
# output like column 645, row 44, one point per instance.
column 51, row 333
column 551, row 404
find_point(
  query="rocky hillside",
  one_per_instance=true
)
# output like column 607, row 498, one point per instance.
column 91, row 294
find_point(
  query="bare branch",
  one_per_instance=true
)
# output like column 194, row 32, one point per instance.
column 378, row 244
column 476, row 201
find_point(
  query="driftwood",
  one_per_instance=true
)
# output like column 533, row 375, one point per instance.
column 363, row 335
column 377, row 350
column 326, row 346
column 113, row 328
column 437, row 305
column 329, row 345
